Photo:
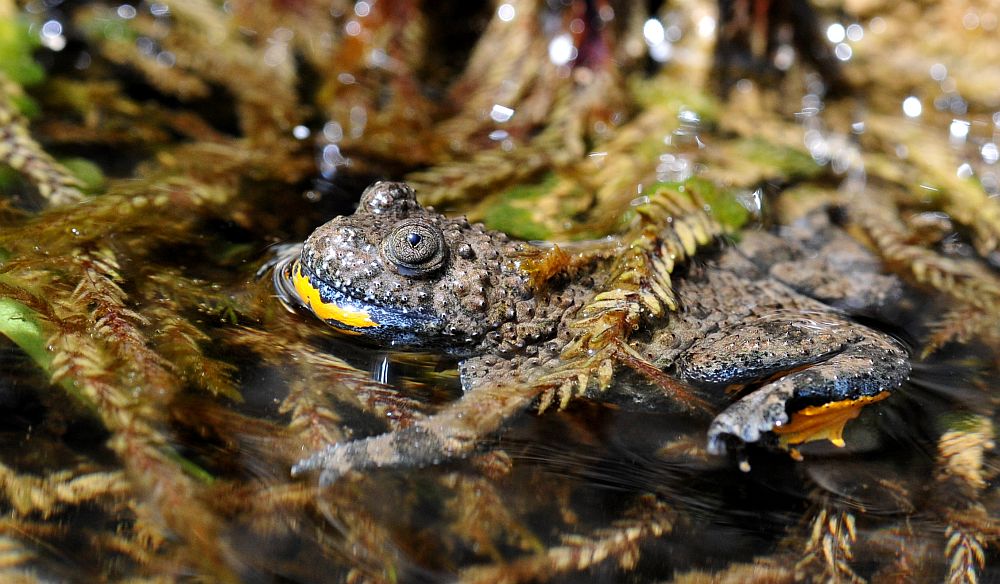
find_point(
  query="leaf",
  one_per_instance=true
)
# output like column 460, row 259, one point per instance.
column 23, row 326
column 91, row 177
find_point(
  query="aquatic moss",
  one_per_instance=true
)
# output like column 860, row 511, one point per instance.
column 725, row 207
column 89, row 174
column 9, row 177
column 782, row 160
column 962, row 422
column 17, row 45
column 512, row 211
column 722, row 203
column 515, row 221
column 677, row 96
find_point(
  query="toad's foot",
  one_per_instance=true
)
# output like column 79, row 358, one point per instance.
column 452, row 433
column 859, row 374
column 414, row 446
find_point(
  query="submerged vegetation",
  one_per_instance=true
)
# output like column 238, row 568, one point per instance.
column 155, row 394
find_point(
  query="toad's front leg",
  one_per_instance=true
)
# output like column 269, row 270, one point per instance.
column 818, row 373
column 452, row 433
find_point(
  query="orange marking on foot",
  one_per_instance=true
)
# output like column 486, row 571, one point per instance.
column 825, row 422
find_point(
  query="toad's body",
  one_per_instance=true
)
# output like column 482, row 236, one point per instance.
column 522, row 316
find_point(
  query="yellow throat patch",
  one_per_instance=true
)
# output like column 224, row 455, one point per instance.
column 329, row 310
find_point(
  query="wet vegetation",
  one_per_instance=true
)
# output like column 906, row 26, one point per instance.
column 155, row 393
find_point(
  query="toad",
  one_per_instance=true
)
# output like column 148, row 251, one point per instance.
column 757, row 333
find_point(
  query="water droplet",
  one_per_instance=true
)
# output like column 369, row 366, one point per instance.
column 653, row 32
column 145, row 45
column 784, row 57
column 501, row 113
column 51, row 35
column 561, row 49
column 333, row 132
column 276, row 54
column 52, row 28
column 752, row 201
column 952, row 103
column 836, row 33
column 359, row 119
column 970, row 20
column 958, row 131
column 282, row 34
column 706, row 26
column 380, row 368
column 167, row 59
column 126, row 11
column 843, row 51
column 661, row 53
column 687, row 116
column 990, row 153
column 331, row 160
column 912, row 107
column 506, row 12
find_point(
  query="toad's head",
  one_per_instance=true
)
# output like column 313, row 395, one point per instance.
column 403, row 275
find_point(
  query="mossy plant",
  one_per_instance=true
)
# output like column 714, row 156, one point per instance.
column 169, row 392
column 17, row 46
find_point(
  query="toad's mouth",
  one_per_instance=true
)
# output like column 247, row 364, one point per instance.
column 352, row 315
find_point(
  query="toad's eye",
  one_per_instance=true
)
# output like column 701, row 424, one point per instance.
column 415, row 248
